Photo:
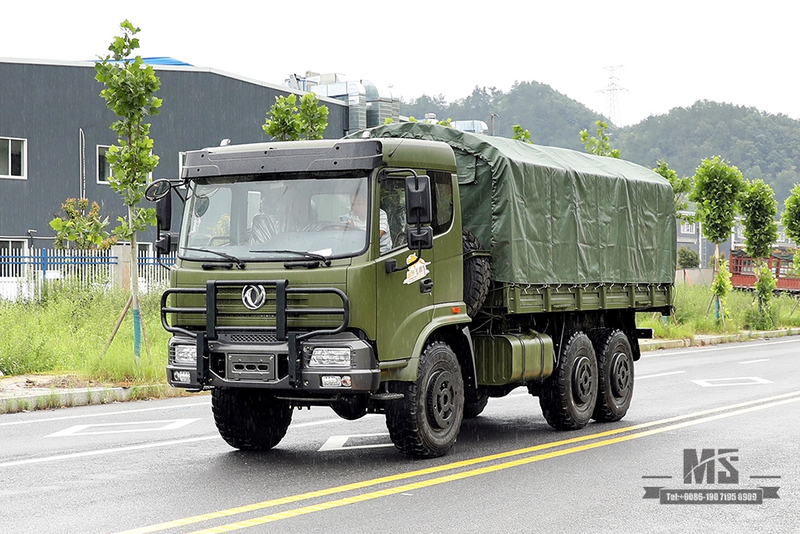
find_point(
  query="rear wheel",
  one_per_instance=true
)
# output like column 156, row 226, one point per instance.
column 426, row 422
column 614, row 373
column 474, row 408
column 568, row 396
column 250, row 419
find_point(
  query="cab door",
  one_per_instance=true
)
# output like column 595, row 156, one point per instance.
column 405, row 296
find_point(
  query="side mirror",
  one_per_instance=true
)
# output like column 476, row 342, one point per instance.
column 419, row 238
column 164, row 245
column 164, row 212
column 157, row 190
column 418, row 200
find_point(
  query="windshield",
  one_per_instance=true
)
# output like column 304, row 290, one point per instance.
column 275, row 220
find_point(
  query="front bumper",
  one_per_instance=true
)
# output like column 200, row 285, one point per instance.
column 267, row 365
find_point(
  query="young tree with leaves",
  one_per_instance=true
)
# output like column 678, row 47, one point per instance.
column 85, row 229
column 759, row 208
column 286, row 122
column 313, row 118
column 718, row 188
column 600, row 145
column 681, row 187
column 129, row 88
column 521, row 134
column 791, row 222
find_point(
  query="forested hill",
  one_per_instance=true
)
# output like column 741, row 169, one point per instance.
column 553, row 119
column 760, row 144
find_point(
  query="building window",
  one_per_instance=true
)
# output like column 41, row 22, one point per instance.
column 688, row 228
column 11, row 252
column 103, row 166
column 13, row 158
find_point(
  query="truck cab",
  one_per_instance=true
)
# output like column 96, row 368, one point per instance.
column 295, row 282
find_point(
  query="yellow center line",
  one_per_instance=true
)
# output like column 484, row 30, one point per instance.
column 695, row 418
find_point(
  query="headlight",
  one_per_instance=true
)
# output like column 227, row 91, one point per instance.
column 330, row 357
column 186, row 354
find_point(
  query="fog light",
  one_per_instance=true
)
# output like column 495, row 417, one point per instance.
column 347, row 381
column 186, row 354
column 181, row 376
column 330, row 357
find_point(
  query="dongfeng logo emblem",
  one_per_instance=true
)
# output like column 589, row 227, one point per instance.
column 253, row 296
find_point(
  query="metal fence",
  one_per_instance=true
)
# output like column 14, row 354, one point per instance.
column 24, row 272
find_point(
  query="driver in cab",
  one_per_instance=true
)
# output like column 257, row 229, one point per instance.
column 357, row 216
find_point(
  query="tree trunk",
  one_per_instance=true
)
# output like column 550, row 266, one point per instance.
column 137, row 326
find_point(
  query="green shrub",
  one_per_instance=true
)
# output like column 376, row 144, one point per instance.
column 688, row 258
column 67, row 330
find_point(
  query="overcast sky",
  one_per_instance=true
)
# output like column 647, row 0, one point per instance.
column 670, row 54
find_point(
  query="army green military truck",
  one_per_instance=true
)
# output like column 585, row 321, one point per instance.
column 414, row 271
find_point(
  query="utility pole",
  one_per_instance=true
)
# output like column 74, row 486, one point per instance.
column 611, row 90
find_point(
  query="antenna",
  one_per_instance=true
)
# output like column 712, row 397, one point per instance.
column 611, row 90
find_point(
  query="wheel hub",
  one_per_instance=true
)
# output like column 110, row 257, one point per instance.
column 582, row 380
column 620, row 374
column 441, row 399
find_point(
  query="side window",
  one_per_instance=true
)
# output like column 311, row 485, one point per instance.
column 393, row 203
column 442, row 201
column 13, row 158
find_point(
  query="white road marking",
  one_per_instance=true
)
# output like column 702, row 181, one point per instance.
column 739, row 381
column 754, row 361
column 659, row 374
column 120, row 412
column 335, row 443
column 170, row 443
column 122, row 428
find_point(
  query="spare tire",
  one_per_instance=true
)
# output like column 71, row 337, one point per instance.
column 477, row 274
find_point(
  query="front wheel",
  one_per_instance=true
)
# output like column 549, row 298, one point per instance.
column 568, row 396
column 249, row 419
column 426, row 422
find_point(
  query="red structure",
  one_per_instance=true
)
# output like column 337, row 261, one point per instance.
column 743, row 277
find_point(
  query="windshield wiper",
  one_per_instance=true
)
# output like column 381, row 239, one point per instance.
column 307, row 255
column 239, row 263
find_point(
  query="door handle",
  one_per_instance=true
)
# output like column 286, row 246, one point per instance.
column 425, row 285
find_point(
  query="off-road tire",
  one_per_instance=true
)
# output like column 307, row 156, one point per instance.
column 568, row 396
column 477, row 274
column 426, row 422
column 473, row 409
column 614, row 374
column 249, row 419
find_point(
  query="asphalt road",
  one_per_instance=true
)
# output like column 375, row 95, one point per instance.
column 160, row 466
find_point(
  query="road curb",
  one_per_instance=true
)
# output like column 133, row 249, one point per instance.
column 51, row 398
column 646, row 345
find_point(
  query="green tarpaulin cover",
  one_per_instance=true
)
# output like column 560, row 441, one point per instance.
column 557, row 216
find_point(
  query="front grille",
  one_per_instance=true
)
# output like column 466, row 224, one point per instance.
column 254, row 338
